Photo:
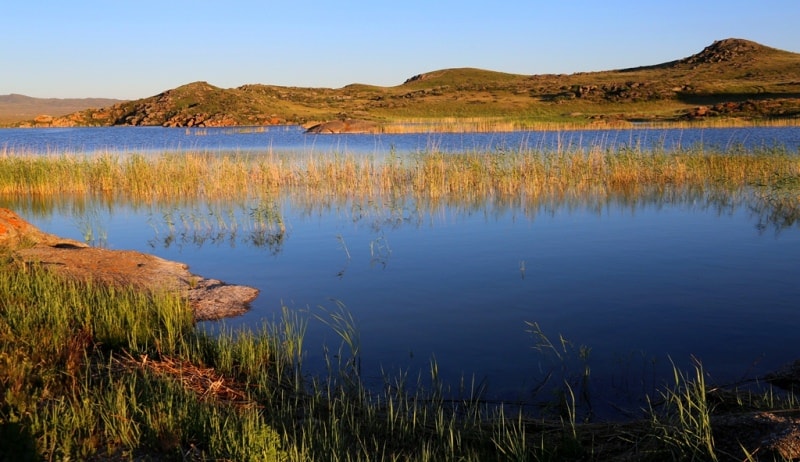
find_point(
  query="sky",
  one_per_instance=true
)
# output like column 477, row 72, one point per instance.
column 134, row 49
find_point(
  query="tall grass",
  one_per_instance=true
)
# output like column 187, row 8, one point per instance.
column 68, row 392
column 509, row 124
column 90, row 372
column 175, row 178
column 685, row 423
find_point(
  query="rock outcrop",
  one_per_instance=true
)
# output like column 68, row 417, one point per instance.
column 731, row 49
column 345, row 126
column 770, row 108
column 210, row 298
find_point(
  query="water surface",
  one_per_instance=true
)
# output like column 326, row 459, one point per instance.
column 292, row 138
column 638, row 281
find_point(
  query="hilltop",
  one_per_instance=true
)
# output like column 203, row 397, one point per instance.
column 731, row 78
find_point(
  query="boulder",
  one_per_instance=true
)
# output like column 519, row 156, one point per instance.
column 345, row 126
column 209, row 298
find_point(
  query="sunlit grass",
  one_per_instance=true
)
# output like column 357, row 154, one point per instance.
column 70, row 393
column 554, row 123
column 432, row 175
column 525, row 178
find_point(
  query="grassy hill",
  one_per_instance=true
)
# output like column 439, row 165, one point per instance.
column 729, row 80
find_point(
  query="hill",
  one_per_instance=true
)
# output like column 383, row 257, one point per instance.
column 731, row 78
column 15, row 108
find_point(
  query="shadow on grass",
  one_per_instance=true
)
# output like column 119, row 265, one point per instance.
column 16, row 443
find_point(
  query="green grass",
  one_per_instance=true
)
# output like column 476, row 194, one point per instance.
column 69, row 391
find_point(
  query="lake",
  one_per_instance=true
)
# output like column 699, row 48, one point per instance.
column 637, row 281
column 293, row 138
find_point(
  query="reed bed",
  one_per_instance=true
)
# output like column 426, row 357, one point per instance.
column 474, row 124
column 504, row 124
column 424, row 176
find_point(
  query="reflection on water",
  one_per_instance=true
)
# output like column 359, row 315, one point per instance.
column 618, row 283
column 259, row 224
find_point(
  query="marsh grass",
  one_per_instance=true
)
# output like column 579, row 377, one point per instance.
column 427, row 177
column 509, row 124
column 65, row 395
column 685, row 422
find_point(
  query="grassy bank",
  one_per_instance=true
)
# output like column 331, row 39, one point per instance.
column 93, row 373
column 81, row 375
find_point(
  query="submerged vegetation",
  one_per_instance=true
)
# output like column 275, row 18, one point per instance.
column 103, row 373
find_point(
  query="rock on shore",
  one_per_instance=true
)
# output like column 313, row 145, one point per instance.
column 209, row 298
column 345, row 126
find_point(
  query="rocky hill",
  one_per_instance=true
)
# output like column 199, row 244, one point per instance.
column 731, row 78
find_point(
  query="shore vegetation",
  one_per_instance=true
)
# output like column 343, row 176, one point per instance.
column 425, row 176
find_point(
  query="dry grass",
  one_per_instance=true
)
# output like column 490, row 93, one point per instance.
column 206, row 382
column 430, row 176
column 504, row 124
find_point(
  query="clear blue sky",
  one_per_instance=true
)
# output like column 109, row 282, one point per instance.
column 134, row 49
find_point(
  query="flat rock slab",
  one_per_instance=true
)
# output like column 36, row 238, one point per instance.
column 345, row 126
column 209, row 298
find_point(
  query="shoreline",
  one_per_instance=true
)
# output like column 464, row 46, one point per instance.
column 210, row 299
column 469, row 125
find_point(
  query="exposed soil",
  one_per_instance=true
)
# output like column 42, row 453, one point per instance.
column 210, row 298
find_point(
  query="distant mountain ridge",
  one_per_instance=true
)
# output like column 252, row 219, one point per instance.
column 15, row 107
column 731, row 78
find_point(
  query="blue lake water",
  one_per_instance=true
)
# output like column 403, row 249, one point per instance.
column 641, row 281
column 292, row 138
